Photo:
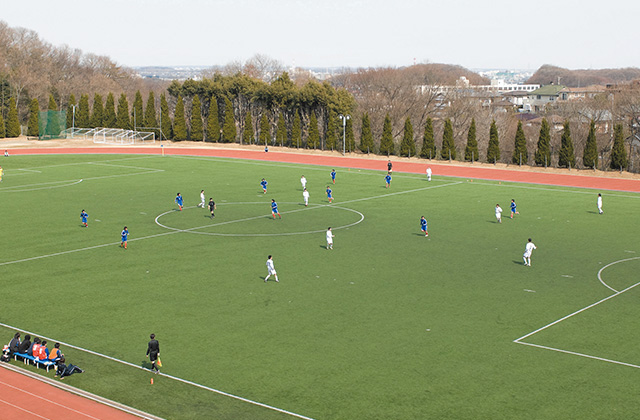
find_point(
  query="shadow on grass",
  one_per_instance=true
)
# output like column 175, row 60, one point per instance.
column 518, row 262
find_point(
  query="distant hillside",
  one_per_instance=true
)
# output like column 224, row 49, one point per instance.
column 577, row 78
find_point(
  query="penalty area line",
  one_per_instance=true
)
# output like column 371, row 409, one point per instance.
column 175, row 378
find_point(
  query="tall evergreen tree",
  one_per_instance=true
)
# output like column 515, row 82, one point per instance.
column 13, row 123
column 313, row 141
column 82, row 112
column 543, row 153
column 247, row 133
column 196, row 120
column 229, row 128
column 618, row 152
column 296, row 131
column 137, row 112
column 386, row 142
column 331, row 136
column 351, row 140
column 165, row 119
column 97, row 117
column 428, row 149
column 408, row 145
column 122, row 114
column 366, row 135
column 110, row 119
column 179, row 124
column 70, row 106
column 590, row 156
column 281, row 130
column 150, row 119
column 265, row 130
column 520, row 146
column 567, row 157
column 2, row 129
column 33, row 129
column 52, row 103
column 448, row 147
column 213, row 122
column 471, row 151
column 493, row 149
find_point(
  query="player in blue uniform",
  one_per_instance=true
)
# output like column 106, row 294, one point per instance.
column 333, row 175
column 513, row 209
column 387, row 179
column 179, row 201
column 264, row 183
column 125, row 236
column 84, row 216
column 274, row 209
column 423, row 226
column 329, row 194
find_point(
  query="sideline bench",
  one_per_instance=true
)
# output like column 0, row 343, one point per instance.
column 37, row 362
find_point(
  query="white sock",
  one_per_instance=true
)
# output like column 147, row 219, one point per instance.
column 525, row 260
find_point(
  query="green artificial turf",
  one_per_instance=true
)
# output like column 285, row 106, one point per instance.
column 388, row 325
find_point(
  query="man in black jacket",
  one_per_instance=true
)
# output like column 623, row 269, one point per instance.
column 25, row 345
column 14, row 344
column 153, row 352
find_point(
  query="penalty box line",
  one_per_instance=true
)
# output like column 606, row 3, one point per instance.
column 175, row 378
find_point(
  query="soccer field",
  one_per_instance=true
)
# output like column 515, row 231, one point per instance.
column 387, row 325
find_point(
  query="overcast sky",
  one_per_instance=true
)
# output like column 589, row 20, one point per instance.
column 352, row 33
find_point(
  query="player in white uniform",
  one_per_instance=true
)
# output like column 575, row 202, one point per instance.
column 330, row 237
column 305, row 195
column 270, row 269
column 499, row 213
column 600, row 204
column 303, row 181
column 527, row 252
column 202, row 200
column 429, row 174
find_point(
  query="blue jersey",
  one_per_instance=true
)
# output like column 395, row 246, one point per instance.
column 333, row 175
column 179, row 200
column 84, row 216
column 387, row 179
column 264, row 184
column 125, row 234
column 274, row 207
column 329, row 192
column 423, row 224
column 513, row 207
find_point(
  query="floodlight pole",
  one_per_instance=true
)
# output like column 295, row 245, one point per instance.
column 344, row 119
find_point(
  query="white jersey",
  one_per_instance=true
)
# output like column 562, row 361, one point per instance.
column 305, row 195
column 599, row 202
column 429, row 173
column 498, row 212
column 270, row 267
column 329, row 237
column 303, row 181
column 202, row 197
column 529, row 249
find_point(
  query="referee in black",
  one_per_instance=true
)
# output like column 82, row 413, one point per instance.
column 153, row 351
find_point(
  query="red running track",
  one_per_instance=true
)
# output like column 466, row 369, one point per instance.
column 26, row 398
column 439, row 169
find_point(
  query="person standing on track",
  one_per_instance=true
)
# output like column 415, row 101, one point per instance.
column 389, row 167
column 153, row 352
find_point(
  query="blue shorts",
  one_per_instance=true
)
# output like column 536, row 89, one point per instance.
column 329, row 196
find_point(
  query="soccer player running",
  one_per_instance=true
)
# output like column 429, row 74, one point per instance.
column 498, row 213
column 263, row 184
column 329, row 194
column 125, row 235
column 527, row 252
column 600, row 204
column 84, row 216
column 305, row 195
column 202, row 199
column 274, row 209
column 303, row 181
column 333, row 175
column 513, row 208
column 270, row 270
column 179, row 201
column 387, row 180
column 1, row 173
column 212, row 207
column 423, row 226
column 330, row 237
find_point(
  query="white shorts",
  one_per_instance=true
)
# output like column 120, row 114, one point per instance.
column 527, row 255
column 271, row 272
column 499, row 216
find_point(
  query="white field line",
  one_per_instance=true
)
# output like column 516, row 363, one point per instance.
column 609, row 265
column 50, row 187
column 610, row 193
column 83, row 163
column 24, row 409
column 48, row 400
column 175, row 378
column 573, row 353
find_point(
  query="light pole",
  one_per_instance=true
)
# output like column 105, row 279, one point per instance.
column 344, row 119
column 73, row 121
